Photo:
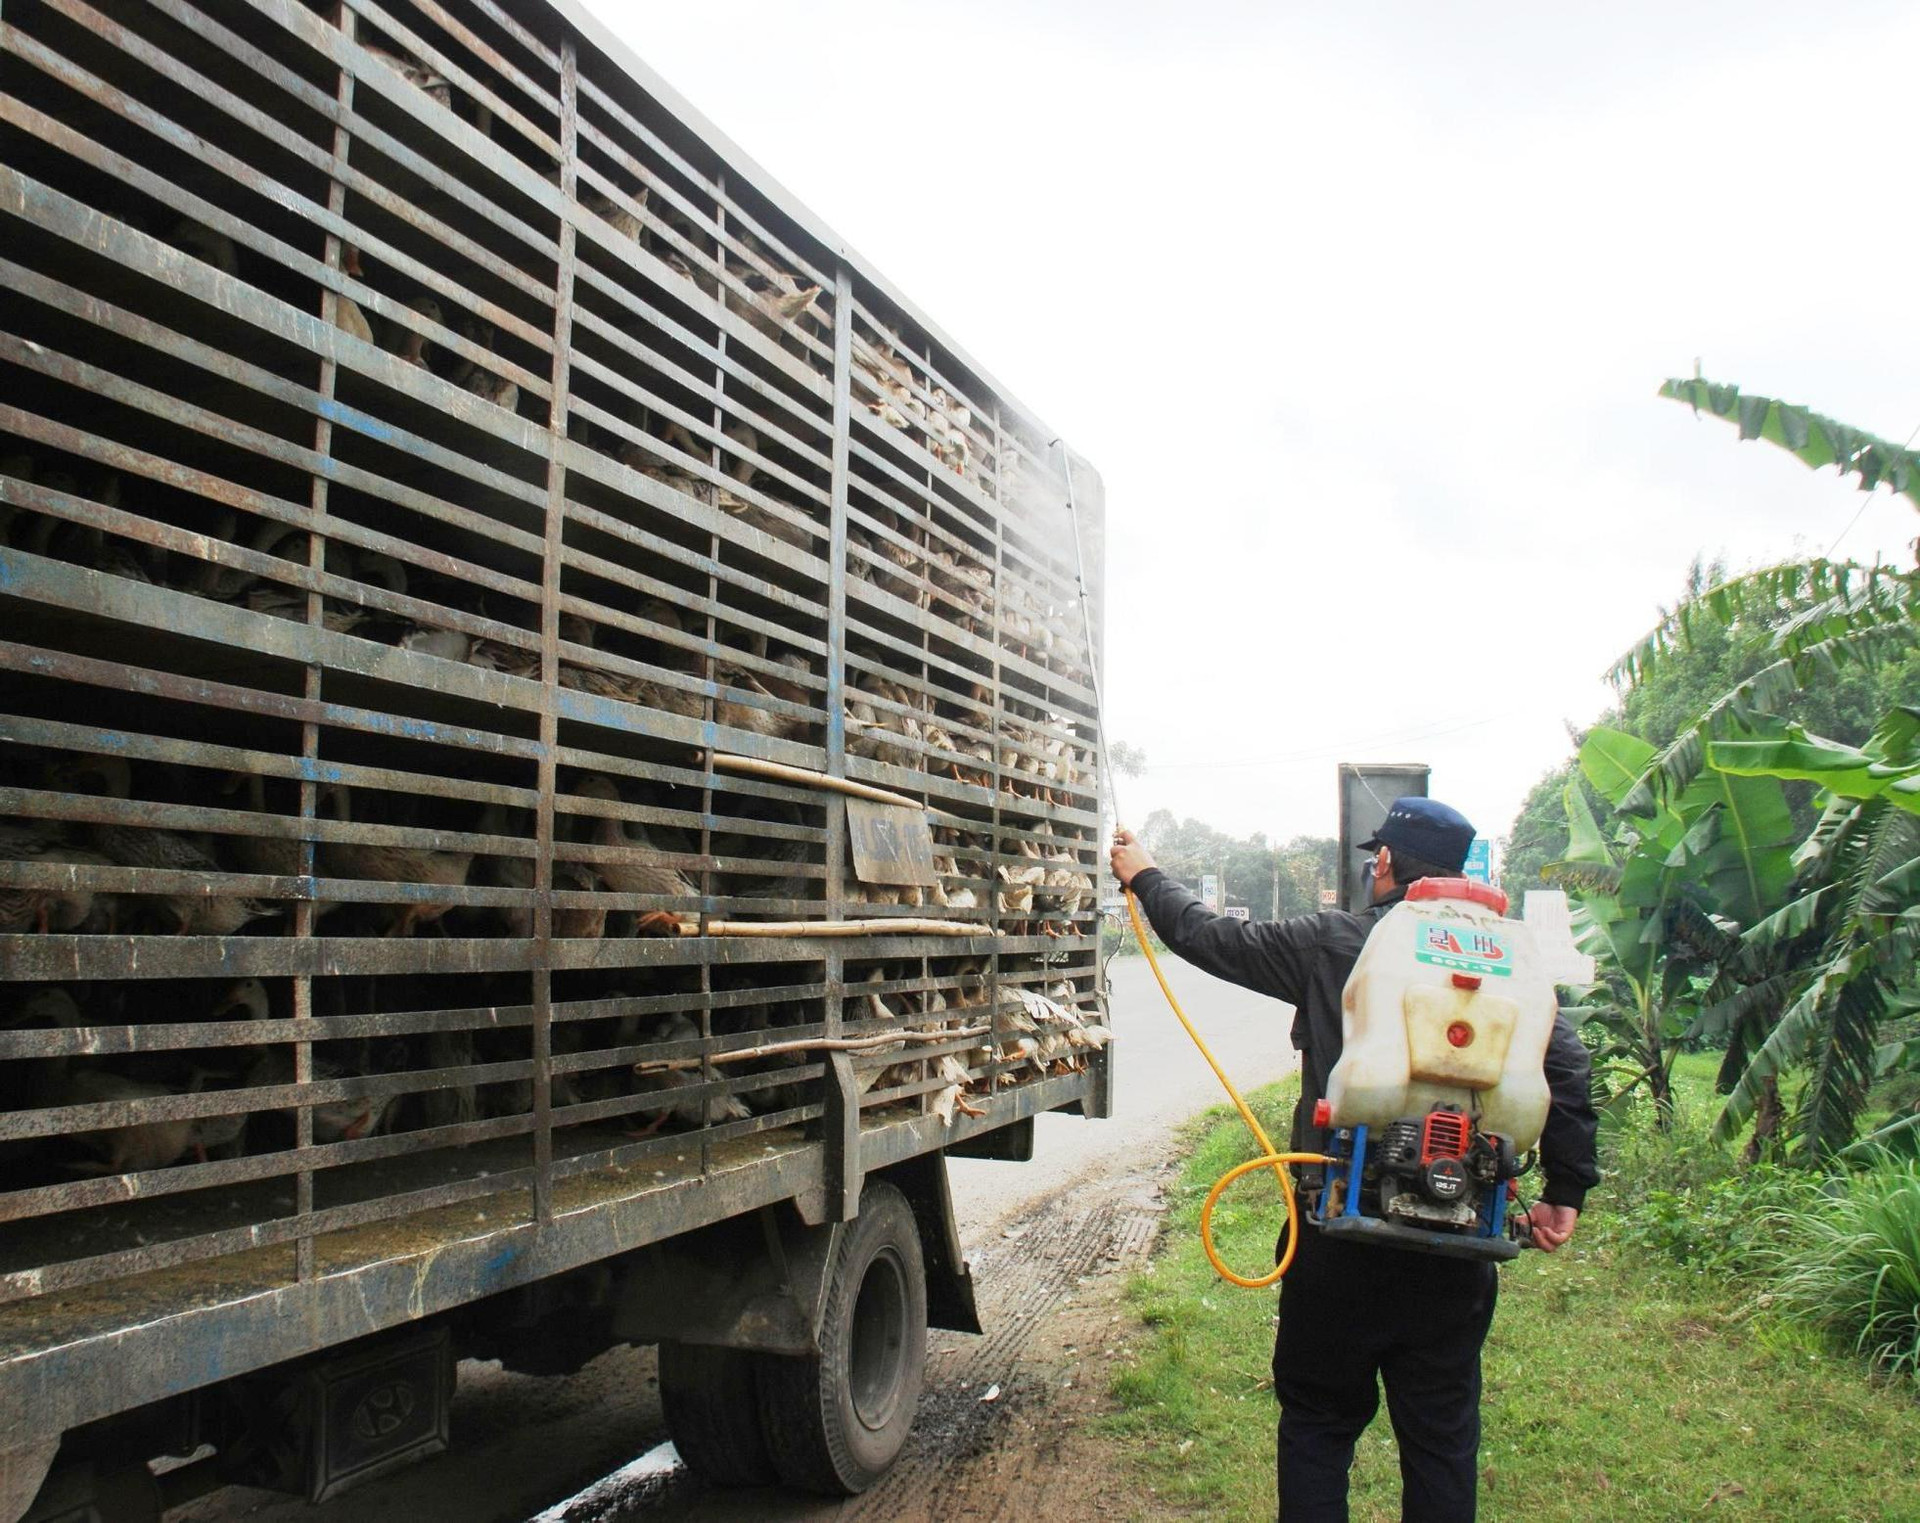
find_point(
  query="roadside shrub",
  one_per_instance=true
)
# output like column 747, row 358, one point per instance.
column 1850, row 1263
column 1679, row 1195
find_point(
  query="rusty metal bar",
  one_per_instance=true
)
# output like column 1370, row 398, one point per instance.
column 550, row 659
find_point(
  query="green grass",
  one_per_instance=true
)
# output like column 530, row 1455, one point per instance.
column 1620, row 1385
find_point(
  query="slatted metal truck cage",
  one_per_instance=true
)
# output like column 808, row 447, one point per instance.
column 431, row 458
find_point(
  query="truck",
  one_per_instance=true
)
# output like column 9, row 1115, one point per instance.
column 549, row 760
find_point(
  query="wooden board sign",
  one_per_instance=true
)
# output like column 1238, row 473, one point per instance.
column 890, row 844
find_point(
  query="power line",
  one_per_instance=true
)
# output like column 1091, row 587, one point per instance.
column 1867, row 498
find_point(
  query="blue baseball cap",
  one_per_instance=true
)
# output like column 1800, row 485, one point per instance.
column 1426, row 828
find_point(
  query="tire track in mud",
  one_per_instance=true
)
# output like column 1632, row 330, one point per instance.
column 1033, row 1269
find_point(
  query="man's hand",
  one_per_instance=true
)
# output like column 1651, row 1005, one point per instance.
column 1128, row 857
column 1550, row 1226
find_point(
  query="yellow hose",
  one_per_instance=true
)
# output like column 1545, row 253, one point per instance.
column 1269, row 1159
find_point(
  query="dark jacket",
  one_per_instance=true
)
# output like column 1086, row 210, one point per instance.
column 1305, row 961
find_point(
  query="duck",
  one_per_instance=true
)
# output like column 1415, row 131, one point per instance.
column 429, row 82
column 666, row 246
column 192, row 914
column 963, row 897
column 878, row 733
column 47, row 911
column 638, row 866
column 145, row 1145
column 473, row 377
column 227, row 584
column 391, row 864
column 282, row 602
column 344, row 1120
column 629, row 224
column 510, row 660
column 426, row 640
column 347, row 316
column 409, row 342
column 765, row 721
column 271, row 856
column 713, row 1111
column 743, row 472
column 520, row 872
column 206, row 245
column 780, row 297
column 497, row 389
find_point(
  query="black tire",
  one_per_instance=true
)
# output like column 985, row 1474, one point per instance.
column 711, row 1401
column 836, row 1422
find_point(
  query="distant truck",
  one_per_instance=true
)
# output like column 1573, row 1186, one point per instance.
column 469, row 542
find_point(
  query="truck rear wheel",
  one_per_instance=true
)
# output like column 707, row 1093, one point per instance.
column 711, row 1401
column 836, row 1421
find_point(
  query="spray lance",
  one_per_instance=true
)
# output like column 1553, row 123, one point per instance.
column 1441, row 1076
column 1270, row 1157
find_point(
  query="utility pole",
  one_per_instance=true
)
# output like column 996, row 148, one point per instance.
column 1273, row 909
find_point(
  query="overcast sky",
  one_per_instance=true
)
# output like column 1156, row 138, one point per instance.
column 1361, row 310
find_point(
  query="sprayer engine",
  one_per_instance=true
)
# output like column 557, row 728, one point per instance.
column 1433, row 1183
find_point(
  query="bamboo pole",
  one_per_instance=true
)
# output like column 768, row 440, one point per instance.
column 726, row 761
column 899, row 926
column 874, row 1043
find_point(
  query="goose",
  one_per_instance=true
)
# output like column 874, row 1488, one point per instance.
column 391, row 864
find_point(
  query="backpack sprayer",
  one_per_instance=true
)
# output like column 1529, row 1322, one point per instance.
column 1439, row 1093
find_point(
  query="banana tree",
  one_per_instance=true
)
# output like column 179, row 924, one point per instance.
column 1824, row 615
column 1814, row 985
column 1659, row 898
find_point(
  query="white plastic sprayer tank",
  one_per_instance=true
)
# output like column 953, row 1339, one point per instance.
column 1448, row 1004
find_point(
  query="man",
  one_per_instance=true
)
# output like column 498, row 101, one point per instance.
column 1351, row 1312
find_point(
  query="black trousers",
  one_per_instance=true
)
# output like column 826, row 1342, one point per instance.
column 1351, row 1313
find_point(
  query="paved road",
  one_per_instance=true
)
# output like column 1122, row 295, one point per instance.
column 1160, row 1080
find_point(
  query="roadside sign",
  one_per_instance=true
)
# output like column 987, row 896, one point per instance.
column 1329, row 897
column 1367, row 792
column 1210, row 891
column 1479, row 863
column 1238, row 912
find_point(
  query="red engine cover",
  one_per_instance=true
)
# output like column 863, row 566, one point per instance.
column 1445, row 1134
